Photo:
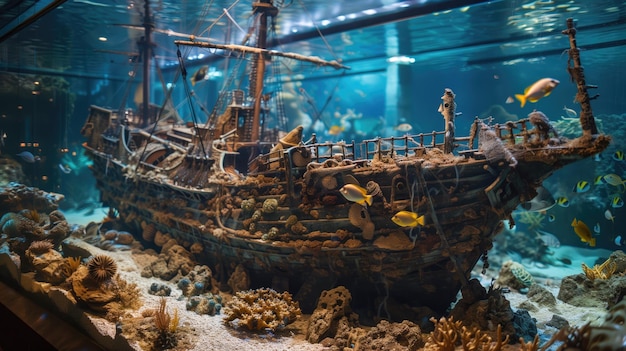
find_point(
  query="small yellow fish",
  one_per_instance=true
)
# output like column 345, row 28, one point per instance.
column 335, row 130
column 541, row 88
column 581, row 186
column 355, row 193
column 583, row 232
column 618, row 155
column 613, row 179
column 408, row 219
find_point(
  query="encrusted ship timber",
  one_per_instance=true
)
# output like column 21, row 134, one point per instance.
column 283, row 218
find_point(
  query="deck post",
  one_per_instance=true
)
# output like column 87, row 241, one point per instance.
column 576, row 71
column 447, row 108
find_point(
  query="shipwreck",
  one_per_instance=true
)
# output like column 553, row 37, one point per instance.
column 246, row 194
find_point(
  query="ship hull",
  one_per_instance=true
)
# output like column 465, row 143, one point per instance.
column 321, row 240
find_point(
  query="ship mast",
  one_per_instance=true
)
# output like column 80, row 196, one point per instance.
column 145, row 45
column 265, row 8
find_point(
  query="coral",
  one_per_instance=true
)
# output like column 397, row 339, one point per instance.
column 16, row 225
column 205, row 304
column 239, row 280
column 159, row 289
column 270, row 206
column 609, row 335
column 148, row 231
column 532, row 219
column 603, row 271
column 578, row 290
column 102, row 268
column 262, row 309
column 405, row 336
column 166, row 326
column 171, row 262
column 248, row 205
column 514, row 275
column 15, row 197
column 448, row 333
column 70, row 265
column 483, row 310
column 40, row 246
column 332, row 306
column 128, row 293
column 521, row 274
column 271, row 234
column 31, row 214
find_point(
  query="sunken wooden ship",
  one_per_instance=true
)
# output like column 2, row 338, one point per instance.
column 242, row 196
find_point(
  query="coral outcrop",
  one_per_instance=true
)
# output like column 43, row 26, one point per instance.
column 449, row 333
column 608, row 336
column 15, row 197
column 332, row 306
column 404, row 336
column 484, row 310
column 261, row 309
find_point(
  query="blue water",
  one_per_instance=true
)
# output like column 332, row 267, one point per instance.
column 485, row 53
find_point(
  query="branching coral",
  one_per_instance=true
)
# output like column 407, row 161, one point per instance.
column 262, row 309
column 166, row 326
column 603, row 271
column 534, row 220
column 448, row 333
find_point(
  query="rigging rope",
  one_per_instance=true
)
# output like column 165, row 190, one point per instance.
column 319, row 32
column 194, row 118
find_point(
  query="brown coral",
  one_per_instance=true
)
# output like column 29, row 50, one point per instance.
column 40, row 246
column 102, row 268
column 262, row 309
column 448, row 333
column 603, row 271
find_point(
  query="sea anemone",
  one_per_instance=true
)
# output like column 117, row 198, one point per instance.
column 102, row 268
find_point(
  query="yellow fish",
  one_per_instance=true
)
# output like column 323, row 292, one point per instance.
column 598, row 180
column 562, row 201
column 581, row 186
column 408, row 219
column 583, row 232
column 335, row 130
column 541, row 88
column 617, row 202
column 614, row 179
column 355, row 193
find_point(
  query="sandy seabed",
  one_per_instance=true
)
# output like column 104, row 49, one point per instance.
column 204, row 332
